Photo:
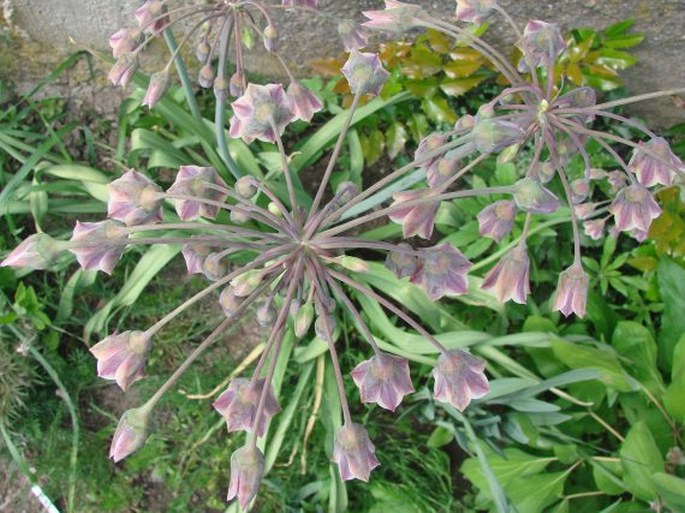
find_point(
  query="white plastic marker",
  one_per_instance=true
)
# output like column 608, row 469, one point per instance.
column 44, row 499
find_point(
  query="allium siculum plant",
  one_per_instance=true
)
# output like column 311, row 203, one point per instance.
column 302, row 275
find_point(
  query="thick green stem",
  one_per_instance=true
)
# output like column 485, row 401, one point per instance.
column 183, row 75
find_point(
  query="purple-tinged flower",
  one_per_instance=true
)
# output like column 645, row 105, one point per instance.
column 229, row 301
column 236, row 85
column 651, row 170
column 509, row 278
column 221, row 88
column 383, row 379
column 238, row 405
column 571, row 294
column 206, row 76
column 124, row 41
column 123, row 70
column 98, row 245
column 354, row 452
column 194, row 254
column 214, row 267
column 134, row 199
column 443, row 270
column 159, row 82
column 121, row 357
column 459, row 378
column 617, row 181
column 402, row 261
column 247, row 468
column 246, row 283
column 353, row 36
column 304, row 103
column 196, row 184
column 38, row 251
column 259, row 111
column 429, row 144
column 542, row 172
column 584, row 210
column 150, row 16
column 396, row 17
column 580, row 190
column 594, row 228
column 311, row 4
column 270, row 37
column 365, row 73
column 532, row 197
column 634, row 207
column 131, row 433
column 444, row 169
column 638, row 235
column 475, row 11
column 497, row 220
column 493, row 135
column 540, row 45
column 417, row 219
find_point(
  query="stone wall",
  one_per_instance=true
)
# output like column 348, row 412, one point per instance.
column 46, row 30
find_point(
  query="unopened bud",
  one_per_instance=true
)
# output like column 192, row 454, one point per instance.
column 156, row 89
column 131, row 433
column 246, row 283
column 220, row 88
column 532, row 197
column 270, row 38
column 38, row 251
column 237, row 84
column 206, row 76
column 214, row 267
column 273, row 208
column 229, row 301
column 266, row 314
column 202, row 51
column 246, row 186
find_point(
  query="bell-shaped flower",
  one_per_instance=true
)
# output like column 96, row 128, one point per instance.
column 122, row 357
column 131, row 433
column 497, row 220
column 396, row 17
column 123, row 70
column 194, row 254
column 540, row 45
column 571, row 294
column 364, row 73
column 594, row 228
column 657, row 167
column 531, row 196
column 260, row 111
column 353, row 36
column 304, row 103
column 198, row 185
column 238, row 405
column 38, row 251
column 494, row 134
column 247, row 468
column 159, row 82
column 443, row 271
column 310, row 4
column 402, row 261
column 617, row 181
column 150, row 16
column 230, row 303
column 124, row 41
column 134, row 199
column 634, row 208
column 383, row 379
column 475, row 11
column 98, row 245
column 427, row 145
column 459, row 378
column 580, row 190
column 354, row 452
column 214, row 266
column 443, row 169
column 509, row 278
column 418, row 218
column 585, row 210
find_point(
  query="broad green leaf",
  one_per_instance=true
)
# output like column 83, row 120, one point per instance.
column 515, row 463
column 641, row 458
column 674, row 398
column 634, row 342
column 607, row 475
column 532, row 494
column 671, row 489
column 671, row 279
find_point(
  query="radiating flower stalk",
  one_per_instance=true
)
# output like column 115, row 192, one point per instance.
column 304, row 273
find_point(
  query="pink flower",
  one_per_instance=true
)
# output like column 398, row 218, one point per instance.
column 651, row 170
column 131, row 433
column 365, row 73
column 354, row 452
column 444, row 169
column 149, row 16
column 159, row 82
column 124, row 41
column 38, row 251
column 459, row 378
column 238, row 405
column 594, row 228
column 402, row 261
column 491, row 135
column 98, row 245
column 260, row 111
column 634, row 208
column 194, row 255
column 417, row 219
column 509, row 278
column 532, row 197
column 571, row 295
column 383, row 379
column 442, row 271
column 247, row 468
column 497, row 220
column 123, row 70
column 134, row 199
column 475, row 11
column 428, row 145
column 197, row 184
column 540, row 44
column 396, row 17
column 122, row 357
column 304, row 103
column 353, row 36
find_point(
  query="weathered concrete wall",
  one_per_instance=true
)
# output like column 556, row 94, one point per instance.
column 49, row 26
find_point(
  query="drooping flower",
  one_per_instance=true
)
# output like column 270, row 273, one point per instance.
column 594, row 228
column 383, row 379
column 475, row 11
column 417, row 219
column 427, row 145
column 195, row 184
column 150, row 16
column 532, row 197
column 365, row 73
column 194, row 254
column 38, row 251
column 122, row 357
column 495, row 134
column 124, row 41
column 304, row 103
column 214, row 266
column 651, row 170
column 159, row 82
column 238, row 405
column 396, row 17
column 247, row 468
column 134, row 199
column 509, row 278
column 260, row 111
column 229, row 301
column 497, row 220
column 571, row 294
column 354, row 452
column 459, row 378
column 634, row 208
column 442, row 170
column 443, row 270
column 123, row 70
column 402, row 261
column 617, row 181
column 98, row 245
column 131, row 433
column 540, row 45
column 353, row 36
